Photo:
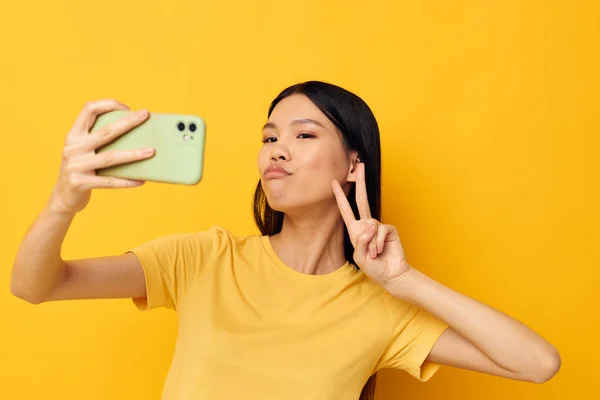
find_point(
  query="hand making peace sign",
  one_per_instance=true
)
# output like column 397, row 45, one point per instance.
column 377, row 248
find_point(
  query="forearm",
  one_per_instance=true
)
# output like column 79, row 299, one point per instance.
column 506, row 341
column 38, row 267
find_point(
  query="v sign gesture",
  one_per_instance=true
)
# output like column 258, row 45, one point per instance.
column 472, row 341
column 377, row 248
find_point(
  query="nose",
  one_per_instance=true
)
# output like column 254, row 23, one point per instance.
column 280, row 152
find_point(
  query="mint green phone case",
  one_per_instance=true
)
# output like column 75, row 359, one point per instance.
column 179, row 155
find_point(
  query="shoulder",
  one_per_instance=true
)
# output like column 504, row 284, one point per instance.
column 217, row 240
column 214, row 237
column 223, row 234
column 215, row 233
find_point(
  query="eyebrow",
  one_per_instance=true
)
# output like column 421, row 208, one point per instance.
column 271, row 125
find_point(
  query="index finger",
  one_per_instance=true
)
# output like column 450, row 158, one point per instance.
column 108, row 133
column 343, row 205
column 86, row 118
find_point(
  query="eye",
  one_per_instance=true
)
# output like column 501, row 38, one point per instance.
column 306, row 135
column 268, row 140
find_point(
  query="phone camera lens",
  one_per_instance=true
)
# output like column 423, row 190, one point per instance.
column 181, row 126
column 192, row 127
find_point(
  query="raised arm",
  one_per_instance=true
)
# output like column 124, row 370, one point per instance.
column 39, row 273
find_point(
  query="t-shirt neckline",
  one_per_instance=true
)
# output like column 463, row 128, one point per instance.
column 345, row 270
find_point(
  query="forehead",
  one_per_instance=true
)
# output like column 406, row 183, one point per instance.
column 298, row 107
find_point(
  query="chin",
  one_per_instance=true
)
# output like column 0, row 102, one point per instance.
column 291, row 204
column 284, row 202
column 281, row 204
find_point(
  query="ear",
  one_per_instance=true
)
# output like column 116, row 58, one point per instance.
column 352, row 171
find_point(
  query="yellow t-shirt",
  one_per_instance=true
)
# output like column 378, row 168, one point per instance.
column 250, row 327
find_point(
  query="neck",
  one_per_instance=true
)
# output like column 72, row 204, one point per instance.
column 311, row 244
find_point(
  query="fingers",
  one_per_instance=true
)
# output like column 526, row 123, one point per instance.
column 362, row 200
column 361, row 247
column 91, row 110
column 91, row 161
column 377, row 242
column 83, row 183
column 382, row 232
column 343, row 205
column 372, row 247
column 110, row 132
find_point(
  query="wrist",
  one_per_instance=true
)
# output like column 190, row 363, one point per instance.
column 56, row 207
column 406, row 286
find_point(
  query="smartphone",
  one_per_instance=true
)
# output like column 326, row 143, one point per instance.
column 178, row 141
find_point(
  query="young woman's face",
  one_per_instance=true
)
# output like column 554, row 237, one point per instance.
column 300, row 139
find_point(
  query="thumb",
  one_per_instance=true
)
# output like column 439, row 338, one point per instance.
column 361, row 247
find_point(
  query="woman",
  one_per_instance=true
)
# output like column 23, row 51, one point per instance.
column 311, row 308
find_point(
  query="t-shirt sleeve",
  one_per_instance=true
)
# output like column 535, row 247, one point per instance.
column 414, row 331
column 171, row 264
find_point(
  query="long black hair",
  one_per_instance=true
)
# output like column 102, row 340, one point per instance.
column 360, row 132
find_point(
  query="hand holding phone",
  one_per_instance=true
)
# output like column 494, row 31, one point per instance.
column 177, row 138
column 79, row 163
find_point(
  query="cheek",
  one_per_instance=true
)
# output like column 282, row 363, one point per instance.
column 325, row 163
column 261, row 160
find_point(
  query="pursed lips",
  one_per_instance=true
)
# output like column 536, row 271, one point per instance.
column 276, row 171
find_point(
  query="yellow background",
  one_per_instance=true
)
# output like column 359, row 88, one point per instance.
column 489, row 120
